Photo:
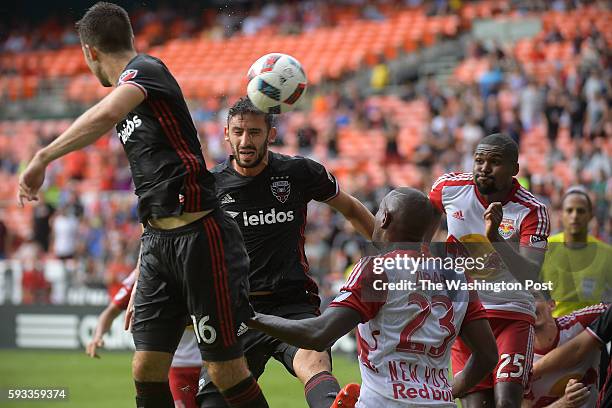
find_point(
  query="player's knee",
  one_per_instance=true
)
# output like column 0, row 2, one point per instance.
column 508, row 404
column 226, row 374
column 151, row 366
column 308, row 363
column 508, row 395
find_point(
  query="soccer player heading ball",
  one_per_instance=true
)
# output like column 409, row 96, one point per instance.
column 193, row 261
column 267, row 194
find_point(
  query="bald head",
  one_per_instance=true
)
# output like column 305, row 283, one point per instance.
column 405, row 215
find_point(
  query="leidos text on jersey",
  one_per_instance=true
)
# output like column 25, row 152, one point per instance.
column 269, row 218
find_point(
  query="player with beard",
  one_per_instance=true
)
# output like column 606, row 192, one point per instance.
column 192, row 261
column 268, row 193
column 490, row 215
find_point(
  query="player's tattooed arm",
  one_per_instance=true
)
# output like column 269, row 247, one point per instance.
column 317, row 333
column 523, row 265
column 355, row 212
column 477, row 335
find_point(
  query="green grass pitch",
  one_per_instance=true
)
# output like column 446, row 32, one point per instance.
column 107, row 382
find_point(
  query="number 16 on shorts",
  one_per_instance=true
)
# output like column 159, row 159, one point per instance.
column 204, row 333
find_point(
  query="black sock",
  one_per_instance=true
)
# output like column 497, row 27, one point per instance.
column 321, row 390
column 153, row 395
column 245, row 394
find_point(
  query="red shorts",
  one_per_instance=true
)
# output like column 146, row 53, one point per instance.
column 184, row 385
column 515, row 347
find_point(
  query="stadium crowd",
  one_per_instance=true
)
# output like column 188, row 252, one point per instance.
column 566, row 112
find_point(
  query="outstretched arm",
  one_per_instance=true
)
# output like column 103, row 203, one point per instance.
column 88, row 128
column 317, row 333
column 477, row 335
column 355, row 212
column 568, row 355
column 105, row 322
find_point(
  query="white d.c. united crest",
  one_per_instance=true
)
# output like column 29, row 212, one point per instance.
column 281, row 188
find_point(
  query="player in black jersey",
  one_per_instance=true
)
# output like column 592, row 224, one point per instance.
column 267, row 194
column 193, row 261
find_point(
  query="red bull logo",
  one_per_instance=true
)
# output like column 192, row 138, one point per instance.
column 506, row 228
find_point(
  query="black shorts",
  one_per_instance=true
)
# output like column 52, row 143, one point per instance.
column 196, row 274
column 259, row 347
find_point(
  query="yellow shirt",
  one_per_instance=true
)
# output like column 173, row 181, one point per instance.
column 581, row 276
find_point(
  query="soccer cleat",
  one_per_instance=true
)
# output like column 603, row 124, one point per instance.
column 347, row 397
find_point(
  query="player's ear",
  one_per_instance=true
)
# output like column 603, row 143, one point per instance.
column 271, row 135
column 386, row 219
column 515, row 170
column 226, row 133
column 90, row 52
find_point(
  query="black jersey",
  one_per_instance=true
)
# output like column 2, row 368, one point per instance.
column 270, row 209
column 602, row 329
column 162, row 145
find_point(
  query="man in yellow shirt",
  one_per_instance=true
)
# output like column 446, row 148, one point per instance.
column 578, row 264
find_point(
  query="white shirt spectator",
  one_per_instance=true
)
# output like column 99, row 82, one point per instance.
column 65, row 230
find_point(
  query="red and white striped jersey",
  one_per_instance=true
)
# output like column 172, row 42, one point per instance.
column 405, row 338
column 546, row 390
column 525, row 222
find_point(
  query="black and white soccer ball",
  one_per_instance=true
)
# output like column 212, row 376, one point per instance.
column 276, row 83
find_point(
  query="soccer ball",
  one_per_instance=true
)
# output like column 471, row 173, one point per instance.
column 276, row 83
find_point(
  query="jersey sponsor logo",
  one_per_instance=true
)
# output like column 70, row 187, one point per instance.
column 128, row 75
column 227, row 199
column 242, row 329
column 537, row 241
column 506, row 228
column 129, row 127
column 281, row 188
column 269, row 218
column 459, row 215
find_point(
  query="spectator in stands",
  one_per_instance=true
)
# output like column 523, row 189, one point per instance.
column 5, row 237
column 35, row 288
column 596, row 115
column 530, row 105
column 307, row 138
column 64, row 233
column 577, row 263
column 41, row 225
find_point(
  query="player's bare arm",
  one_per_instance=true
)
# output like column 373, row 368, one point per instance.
column 318, row 333
column 477, row 335
column 355, row 212
column 524, row 264
column 88, row 128
column 104, row 324
column 568, row 355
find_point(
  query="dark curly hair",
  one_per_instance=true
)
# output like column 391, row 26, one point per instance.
column 243, row 106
